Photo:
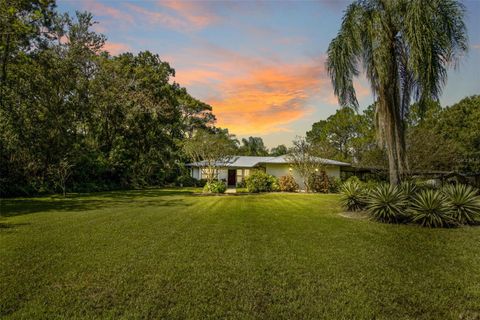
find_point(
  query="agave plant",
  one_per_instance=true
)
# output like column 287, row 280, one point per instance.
column 387, row 203
column 429, row 209
column 463, row 202
column 352, row 196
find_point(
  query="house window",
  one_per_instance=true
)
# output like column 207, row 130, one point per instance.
column 239, row 175
column 206, row 173
column 246, row 172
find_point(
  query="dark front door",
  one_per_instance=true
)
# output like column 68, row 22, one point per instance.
column 232, row 177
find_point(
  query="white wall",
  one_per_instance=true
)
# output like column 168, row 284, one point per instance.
column 196, row 173
column 279, row 170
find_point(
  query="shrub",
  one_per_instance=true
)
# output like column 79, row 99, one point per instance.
column 410, row 189
column 215, row 187
column 352, row 196
column 186, row 181
column 387, row 203
column 429, row 209
column 259, row 181
column 335, row 185
column 288, row 184
column 463, row 203
column 319, row 182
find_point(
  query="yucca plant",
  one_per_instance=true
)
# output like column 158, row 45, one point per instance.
column 410, row 189
column 463, row 203
column 429, row 209
column 387, row 203
column 352, row 196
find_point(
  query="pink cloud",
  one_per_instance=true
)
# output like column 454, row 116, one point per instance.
column 115, row 48
column 101, row 9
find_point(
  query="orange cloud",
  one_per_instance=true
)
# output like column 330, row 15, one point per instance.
column 115, row 48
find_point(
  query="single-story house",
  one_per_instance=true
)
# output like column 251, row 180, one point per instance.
column 236, row 168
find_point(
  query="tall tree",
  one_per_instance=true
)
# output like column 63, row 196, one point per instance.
column 253, row 146
column 405, row 48
column 279, row 150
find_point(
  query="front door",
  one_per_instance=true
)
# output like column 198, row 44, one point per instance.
column 232, row 177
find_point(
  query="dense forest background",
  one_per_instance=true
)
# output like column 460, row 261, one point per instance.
column 74, row 117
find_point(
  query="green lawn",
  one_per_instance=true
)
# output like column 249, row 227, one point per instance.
column 170, row 254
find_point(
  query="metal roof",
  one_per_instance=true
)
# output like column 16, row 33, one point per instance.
column 251, row 161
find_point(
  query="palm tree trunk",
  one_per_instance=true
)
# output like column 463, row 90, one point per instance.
column 392, row 129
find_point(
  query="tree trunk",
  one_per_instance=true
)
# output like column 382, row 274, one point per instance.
column 392, row 130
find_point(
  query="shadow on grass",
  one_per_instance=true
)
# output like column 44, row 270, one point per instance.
column 93, row 201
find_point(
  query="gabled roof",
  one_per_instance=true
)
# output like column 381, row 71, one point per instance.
column 250, row 162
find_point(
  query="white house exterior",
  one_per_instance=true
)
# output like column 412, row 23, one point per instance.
column 238, row 167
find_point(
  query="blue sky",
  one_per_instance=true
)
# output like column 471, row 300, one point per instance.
column 260, row 64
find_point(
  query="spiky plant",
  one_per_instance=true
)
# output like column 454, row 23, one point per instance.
column 429, row 209
column 409, row 189
column 387, row 203
column 352, row 196
column 463, row 202
column 405, row 48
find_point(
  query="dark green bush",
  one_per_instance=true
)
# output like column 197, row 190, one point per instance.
column 335, row 185
column 386, row 203
column 259, row 181
column 430, row 209
column 186, row 181
column 215, row 187
column 352, row 196
column 463, row 203
column 288, row 184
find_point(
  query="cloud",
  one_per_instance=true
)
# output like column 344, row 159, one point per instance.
column 194, row 13
column 181, row 16
column 115, row 48
column 102, row 10
column 476, row 46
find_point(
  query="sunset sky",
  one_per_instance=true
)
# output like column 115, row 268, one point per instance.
column 259, row 64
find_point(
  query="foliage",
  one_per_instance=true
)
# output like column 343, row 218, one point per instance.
column 212, row 149
column 320, row 182
column 305, row 161
column 187, row 180
column 463, row 202
column 409, row 189
column 120, row 120
column 387, row 203
column 287, row 183
column 215, row 187
column 253, row 146
column 259, row 181
column 405, row 48
column 279, row 150
column 335, row 184
column 352, row 195
column 429, row 209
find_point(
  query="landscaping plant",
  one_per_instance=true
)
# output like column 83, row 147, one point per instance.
column 287, row 184
column 430, row 209
column 215, row 187
column 259, row 181
column 463, row 203
column 352, row 195
column 387, row 203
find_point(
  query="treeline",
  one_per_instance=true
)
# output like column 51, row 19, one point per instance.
column 74, row 117
column 437, row 138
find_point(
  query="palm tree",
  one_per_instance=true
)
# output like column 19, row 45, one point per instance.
column 404, row 47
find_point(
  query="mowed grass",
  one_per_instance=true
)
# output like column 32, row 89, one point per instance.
column 170, row 254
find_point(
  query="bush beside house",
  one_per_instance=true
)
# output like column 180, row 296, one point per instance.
column 259, row 181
